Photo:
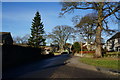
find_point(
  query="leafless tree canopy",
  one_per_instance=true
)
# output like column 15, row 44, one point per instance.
column 61, row 34
column 103, row 10
column 21, row 40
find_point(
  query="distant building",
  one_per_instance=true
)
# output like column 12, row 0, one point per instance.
column 5, row 38
column 47, row 50
column 89, row 47
column 113, row 44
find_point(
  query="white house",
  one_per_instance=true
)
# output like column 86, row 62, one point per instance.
column 113, row 44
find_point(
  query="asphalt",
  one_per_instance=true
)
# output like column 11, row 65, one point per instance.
column 34, row 69
column 62, row 66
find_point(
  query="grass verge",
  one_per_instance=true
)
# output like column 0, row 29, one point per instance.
column 56, row 53
column 102, row 62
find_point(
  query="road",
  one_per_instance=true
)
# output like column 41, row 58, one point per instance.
column 54, row 67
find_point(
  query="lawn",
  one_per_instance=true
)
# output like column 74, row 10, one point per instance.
column 112, row 54
column 57, row 53
column 111, row 63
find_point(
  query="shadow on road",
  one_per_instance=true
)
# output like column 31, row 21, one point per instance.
column 53, row 62
column 58, row 65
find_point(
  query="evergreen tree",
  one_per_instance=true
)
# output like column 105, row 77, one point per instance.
column 37, row 30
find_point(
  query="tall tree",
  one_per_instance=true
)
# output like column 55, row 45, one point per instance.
column 103, row 9
column 61, row 34
column 86, row 26
column 37, row 31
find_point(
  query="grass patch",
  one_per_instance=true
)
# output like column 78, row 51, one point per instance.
column 89, row 55
column 112, row 54
column 102, row 62
column 56, row 53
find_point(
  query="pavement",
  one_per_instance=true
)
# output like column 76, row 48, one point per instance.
column 74, row 62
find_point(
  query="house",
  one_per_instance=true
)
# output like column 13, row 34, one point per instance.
column 113, row 44
column 47, row 50
column 90, row 46
column 6, row 38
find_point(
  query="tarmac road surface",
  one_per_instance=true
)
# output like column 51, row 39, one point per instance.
column 54, row 67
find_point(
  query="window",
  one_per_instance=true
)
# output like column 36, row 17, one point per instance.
column 119, row 40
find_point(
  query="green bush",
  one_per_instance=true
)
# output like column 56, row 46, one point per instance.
column 76, row 47
column 85, row 50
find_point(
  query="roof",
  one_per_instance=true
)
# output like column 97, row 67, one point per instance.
column 117, row 35
column 5, row 36
column 3, row 33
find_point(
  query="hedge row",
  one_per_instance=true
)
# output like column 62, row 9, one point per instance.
column 13, row 55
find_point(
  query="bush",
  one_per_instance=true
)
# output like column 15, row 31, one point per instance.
column 76, row 47
column 85, row 50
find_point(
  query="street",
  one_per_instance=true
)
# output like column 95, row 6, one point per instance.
column 54, row 67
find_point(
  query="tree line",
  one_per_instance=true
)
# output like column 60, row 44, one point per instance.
column 91, row 26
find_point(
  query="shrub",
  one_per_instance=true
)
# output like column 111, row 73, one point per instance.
column 76, row 47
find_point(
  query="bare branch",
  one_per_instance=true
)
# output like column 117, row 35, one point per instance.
column 84, row 8
column 110, row 13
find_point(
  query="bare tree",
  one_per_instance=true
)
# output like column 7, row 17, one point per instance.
column 61, row 34
column 103, row 9
column 17, row 40
column 21, row 40
column 87, row 25
column 25, row 39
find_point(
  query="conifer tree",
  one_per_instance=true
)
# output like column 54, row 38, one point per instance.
column 37, row 31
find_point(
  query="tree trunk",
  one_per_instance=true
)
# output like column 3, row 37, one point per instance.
column 98, row 52
column 98, row 43
column 61, row 44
